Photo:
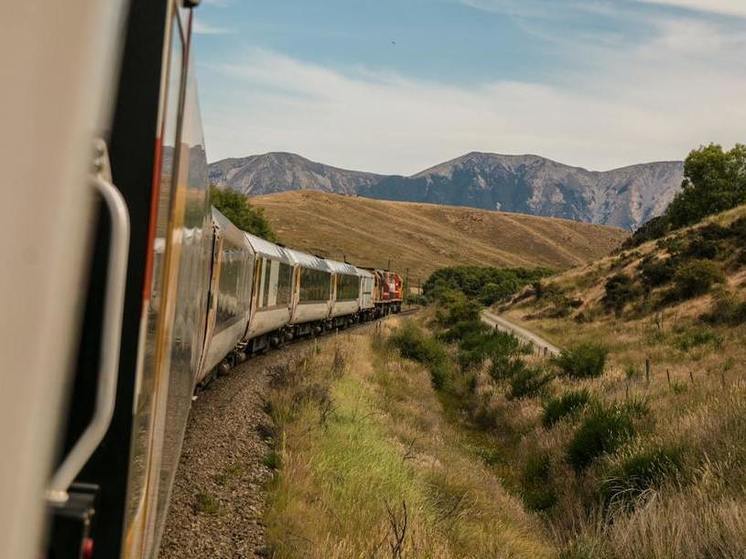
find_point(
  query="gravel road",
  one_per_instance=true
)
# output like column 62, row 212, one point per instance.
column 219, row 493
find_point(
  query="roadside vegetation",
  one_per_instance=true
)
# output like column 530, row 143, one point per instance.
column 439, row 436
column 236, row 207
column 646, row 459
column 368, row 465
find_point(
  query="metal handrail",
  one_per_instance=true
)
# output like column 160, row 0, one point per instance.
column 108, row 373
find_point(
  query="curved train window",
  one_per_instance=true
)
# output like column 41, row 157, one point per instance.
column 348, row 287
column 284, row 284
column 233, row 299
column 315, row 286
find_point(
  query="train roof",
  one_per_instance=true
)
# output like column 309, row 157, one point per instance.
column 362, row 272
column 305, row 260
column 268, row 249
column 229, row 230
column 342, row 268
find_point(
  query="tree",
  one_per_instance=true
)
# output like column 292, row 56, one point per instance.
column 714, row 181
column 235, row 206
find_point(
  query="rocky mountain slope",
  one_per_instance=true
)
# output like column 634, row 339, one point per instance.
column 530, row 184
column 424, row 237
column 280, row 172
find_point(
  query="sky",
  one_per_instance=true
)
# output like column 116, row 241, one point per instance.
column 397, row 86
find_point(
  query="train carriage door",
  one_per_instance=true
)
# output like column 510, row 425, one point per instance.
column 212, row 298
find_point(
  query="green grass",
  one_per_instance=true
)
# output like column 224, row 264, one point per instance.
column 569, row 404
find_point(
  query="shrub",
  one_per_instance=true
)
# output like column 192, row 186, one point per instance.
column 569, row 404
column 528, row 383
column 701, row 247
column 655, row 272
column 620, row 290
column 506, row 367
column 583, row 361
column 472, row 281
column 478, row 344
column 414, row 344
column 714, row 181
column 235, row 206
column 696, row 278
column 536, row 480
column 653, row 229
column 602, row 431
column 641, row 471
column 726, row 309
column 696, row 337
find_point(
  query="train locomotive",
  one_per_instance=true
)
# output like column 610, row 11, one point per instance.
column 130, row 290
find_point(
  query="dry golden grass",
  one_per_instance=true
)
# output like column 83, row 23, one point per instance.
column 696, row 395
column 425, row 237
column 345, row 481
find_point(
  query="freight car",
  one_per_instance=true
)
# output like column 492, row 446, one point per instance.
column 174, row 292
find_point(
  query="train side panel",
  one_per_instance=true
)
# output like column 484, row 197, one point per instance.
column 230, row 294
column 312, row 289
column 273, row 287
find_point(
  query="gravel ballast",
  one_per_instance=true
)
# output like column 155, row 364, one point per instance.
column 220, row 488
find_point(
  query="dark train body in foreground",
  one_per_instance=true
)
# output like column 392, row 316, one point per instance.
column 126, row 314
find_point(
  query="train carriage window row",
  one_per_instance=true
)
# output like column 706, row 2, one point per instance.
column 348, row 287
column 315, row 286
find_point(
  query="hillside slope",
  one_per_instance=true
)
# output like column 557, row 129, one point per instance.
column 638, row 427
column 528, row 184
column 425, row 237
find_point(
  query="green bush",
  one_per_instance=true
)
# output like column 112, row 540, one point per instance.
column 641, row 471
column 537, row 488
column 620, row 290
column 726, row 309
column 528, row 383
column 655, row 272
column 583, row 361
column 506, row 367
column 482, row 282
column 696, row 337
column 714, row 181
column 235, row 206
column 568, row 405
column 604, row 429
column 478, row 342
column 696, row 278
column 653, row 229
column 412, row 343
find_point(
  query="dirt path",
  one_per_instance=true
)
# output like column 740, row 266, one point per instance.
column 501, row 323
column 219, row 496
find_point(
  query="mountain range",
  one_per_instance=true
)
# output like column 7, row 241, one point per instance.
column 529, row 184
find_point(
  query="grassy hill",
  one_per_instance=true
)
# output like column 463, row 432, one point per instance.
column 670, row 481
column 425, row 237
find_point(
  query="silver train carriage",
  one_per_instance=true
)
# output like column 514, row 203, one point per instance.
column 230, row 293
column 271, row 302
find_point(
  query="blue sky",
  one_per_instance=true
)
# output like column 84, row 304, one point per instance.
column 395, row 86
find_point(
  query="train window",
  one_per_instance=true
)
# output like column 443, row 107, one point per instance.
column 348, row 287
column 284, row 284
column 315, row 286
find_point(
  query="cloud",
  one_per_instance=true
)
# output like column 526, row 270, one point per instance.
column 657, row 100
column 726, row 7
column 201, row 28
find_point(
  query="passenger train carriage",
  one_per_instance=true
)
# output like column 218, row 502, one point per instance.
column 174, row 292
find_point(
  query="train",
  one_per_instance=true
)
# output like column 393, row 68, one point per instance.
column 262, row 295
column 128, row 289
